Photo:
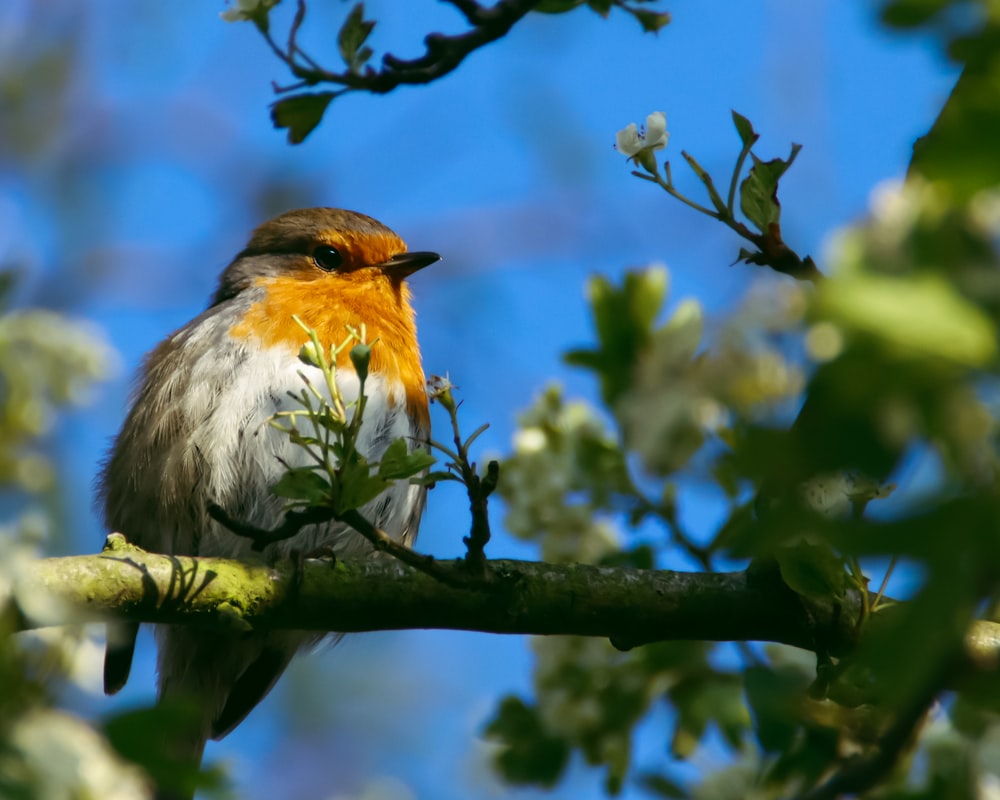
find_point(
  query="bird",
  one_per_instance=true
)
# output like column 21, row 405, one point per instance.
column 197, row 435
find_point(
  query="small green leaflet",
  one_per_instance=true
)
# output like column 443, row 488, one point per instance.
column 759, row 190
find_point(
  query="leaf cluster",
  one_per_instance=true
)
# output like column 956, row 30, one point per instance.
column 338, row 475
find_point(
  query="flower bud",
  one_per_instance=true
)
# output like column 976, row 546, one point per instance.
column 308, row 354
column 361, row 355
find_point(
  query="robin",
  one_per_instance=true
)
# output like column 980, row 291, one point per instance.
column 198, row 434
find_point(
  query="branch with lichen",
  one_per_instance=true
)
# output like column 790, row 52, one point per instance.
column 629, row 606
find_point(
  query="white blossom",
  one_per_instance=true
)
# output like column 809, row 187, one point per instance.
column 55, row 755
column 245, row 10
column 639, row 144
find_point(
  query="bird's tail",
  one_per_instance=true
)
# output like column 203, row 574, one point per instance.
column 209, row 682
column 118, row 654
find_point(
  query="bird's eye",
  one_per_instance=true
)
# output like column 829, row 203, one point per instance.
column 327, row 258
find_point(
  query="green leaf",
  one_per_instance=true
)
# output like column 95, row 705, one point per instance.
column 530, row 754
column 138, row 736
column 358, row 486
column 745, row 129
column 651, row 21
column 434, row 477
column 912, row 13
column 662, row 786
column 624, row 319
column 916, row 316
column 557, row 6
column 353, row 33
column 774, row 696
column 812, row 569
column 759, row 190
column 397, row 463
column 749, row 256
column 961, row 147
column 303, row 483
column 641, row 557
column 602, row 7
column 300, row 114
column 703, row 699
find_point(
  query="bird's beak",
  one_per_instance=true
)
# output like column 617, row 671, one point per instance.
column 405, row 264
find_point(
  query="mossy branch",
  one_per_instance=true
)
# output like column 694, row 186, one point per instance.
column 628, row 606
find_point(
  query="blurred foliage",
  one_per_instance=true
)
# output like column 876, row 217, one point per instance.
column 803, row 407
column 46, row 362
column 960, row 149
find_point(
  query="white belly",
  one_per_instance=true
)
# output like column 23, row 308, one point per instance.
column 244, row 455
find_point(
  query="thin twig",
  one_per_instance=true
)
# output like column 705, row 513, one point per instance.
column 478, row 488
column 381, row 541
column 441, row 56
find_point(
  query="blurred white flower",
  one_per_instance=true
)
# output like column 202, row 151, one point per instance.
column 639, row 145
column 19, row 547
column 79, row 651
column 549, row 482
column 381, row 788
column 984, row 211
column 529, row 440
column 56, row 755
column 245, row 10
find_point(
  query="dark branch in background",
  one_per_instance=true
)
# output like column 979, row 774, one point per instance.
column 301, row 113
column 442, row 55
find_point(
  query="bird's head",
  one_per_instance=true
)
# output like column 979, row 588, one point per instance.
column 322, row 245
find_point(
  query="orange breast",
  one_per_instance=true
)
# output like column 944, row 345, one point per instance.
column 332, row 302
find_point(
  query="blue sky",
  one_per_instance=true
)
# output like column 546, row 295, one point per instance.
column 149, row 172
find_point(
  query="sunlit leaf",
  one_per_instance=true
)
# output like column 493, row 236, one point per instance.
column 398, row 463
column 745, row 129
column 302, row 484
column 917, row 316
column 759, row 190
column 624, row 319
column 358, row 487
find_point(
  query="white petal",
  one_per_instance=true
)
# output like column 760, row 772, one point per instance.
column 627, row 140
column 656, row 131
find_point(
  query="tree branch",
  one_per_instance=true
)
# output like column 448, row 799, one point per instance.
column 630, row 607
column 443, row 53
column 378, row 593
